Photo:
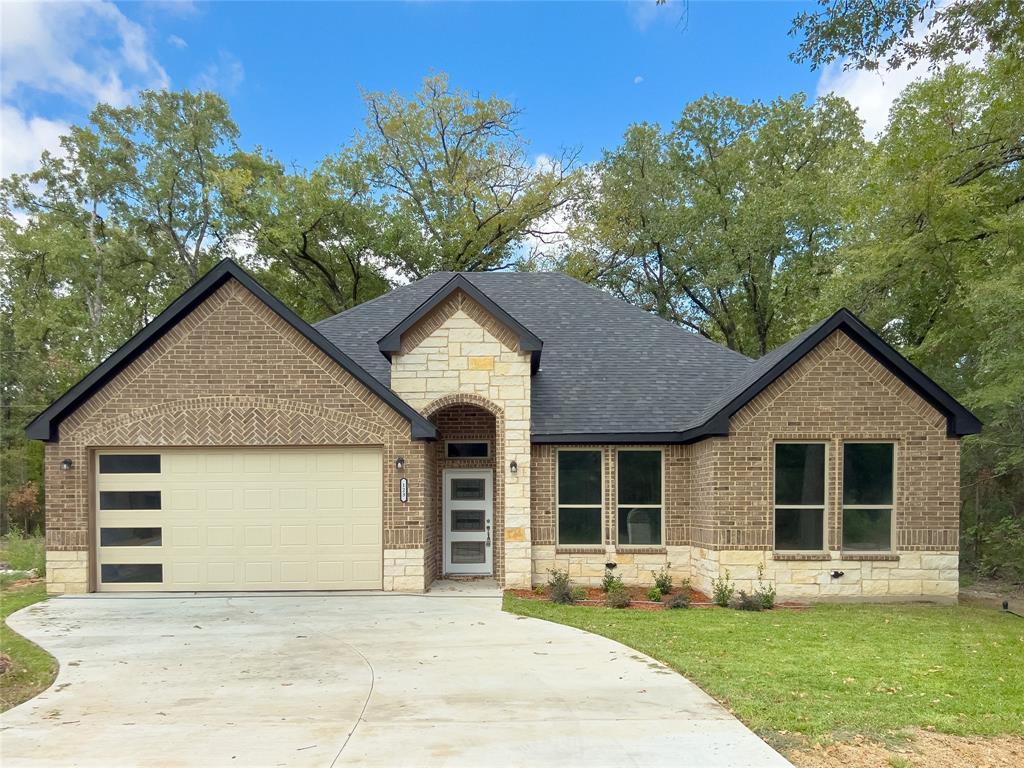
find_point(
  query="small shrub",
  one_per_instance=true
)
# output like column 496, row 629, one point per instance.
column 578, row 593
column 663, row 580
column 722, row 590
column 22, row 552
column 764, row 592
column 654, row 595
column 560, row 587
column 679, row 600
column 540, row 590
column 742, row 601
column 617, row 598
column 611, row 581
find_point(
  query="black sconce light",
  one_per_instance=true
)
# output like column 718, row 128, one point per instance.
column 837, row 574
column 513, row 467
column 400, row 464
column 67, row 464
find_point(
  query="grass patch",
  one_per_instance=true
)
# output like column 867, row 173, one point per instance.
column 834, row 670
column 22, row 552
column 32, row 669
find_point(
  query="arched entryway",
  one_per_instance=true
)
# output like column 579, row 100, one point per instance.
column 465, row 525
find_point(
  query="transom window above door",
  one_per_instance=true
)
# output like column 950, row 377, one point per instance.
column 579, row 497
column 799, row 497
column 640, row 501
column 468, row 449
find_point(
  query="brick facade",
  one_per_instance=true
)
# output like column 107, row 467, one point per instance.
column 231, row 373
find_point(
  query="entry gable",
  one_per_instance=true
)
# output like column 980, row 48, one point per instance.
column 459, row 293
column 47, row 424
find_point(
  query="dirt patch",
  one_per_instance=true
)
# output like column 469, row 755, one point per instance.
column 991, row 593
column 923, row 749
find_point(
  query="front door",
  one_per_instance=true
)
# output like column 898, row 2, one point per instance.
column 468, row 519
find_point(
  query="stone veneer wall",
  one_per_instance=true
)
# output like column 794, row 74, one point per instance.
column 719, row 491
column 461, row 350
column 231, row 373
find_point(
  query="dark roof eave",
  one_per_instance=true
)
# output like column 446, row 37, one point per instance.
column 959, row 420
column 716, row 427
column 528, row 342
column 46, row 426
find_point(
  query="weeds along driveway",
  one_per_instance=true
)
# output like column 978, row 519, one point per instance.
column 380, row 680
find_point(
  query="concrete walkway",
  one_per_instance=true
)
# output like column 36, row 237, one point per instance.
column 338, row 680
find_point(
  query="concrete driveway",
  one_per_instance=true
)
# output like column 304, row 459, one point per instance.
column 369, row 680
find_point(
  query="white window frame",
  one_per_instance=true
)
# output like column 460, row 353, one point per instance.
column 488, row 455
column 661, row 506
column 823, row 506
column 891, row 507
column 558, row 505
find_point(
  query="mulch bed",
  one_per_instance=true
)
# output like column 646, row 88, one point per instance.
column 638, row 599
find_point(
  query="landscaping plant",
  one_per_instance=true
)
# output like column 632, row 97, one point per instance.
column 679, row 600
column 654, row 595
column 617, row 598
column 560, row 587
column 610, row 580
column 722, row 590
column 663, row 580
column 765, row 592
column 744, row 601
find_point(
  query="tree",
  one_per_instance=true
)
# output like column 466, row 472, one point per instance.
column 726, row 224
column 873, row 33
column 453, row 172
column 324, row 235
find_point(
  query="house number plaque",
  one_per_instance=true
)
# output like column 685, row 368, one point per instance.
column 403, row 489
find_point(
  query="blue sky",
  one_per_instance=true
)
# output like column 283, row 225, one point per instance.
column 581, row 72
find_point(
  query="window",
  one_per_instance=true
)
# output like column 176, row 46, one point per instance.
column 868, row 482
column 639, row 495
column 134, row 573
column 579, row 497
column 129, row 463
column 130, row 537
column 468, row 489
column 129, row 499
column 800, row 497
column 465, row 449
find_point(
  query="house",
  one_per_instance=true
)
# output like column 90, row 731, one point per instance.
column 495, row 424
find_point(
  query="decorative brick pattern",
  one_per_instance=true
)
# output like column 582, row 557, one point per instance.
column 232, row 373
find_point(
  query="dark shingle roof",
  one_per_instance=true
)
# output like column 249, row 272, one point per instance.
column 606, row 367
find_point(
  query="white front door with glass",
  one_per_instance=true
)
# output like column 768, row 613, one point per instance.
column 468, row 521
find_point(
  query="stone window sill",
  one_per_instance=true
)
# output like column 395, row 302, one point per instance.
column 595, row 550
column 801, row 556
column 871, row 556
column 626, row 550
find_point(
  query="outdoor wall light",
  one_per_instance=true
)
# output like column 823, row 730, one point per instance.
column 837, row 574
column 513, row 467
column 400, row 463
column 67, row 464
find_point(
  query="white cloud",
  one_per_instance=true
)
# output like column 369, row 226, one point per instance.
column 873, row 93
column 223, row 75
column 86, row 52
column 638, row 79
column 177, row 42
column 83, row 53
column 23, row 139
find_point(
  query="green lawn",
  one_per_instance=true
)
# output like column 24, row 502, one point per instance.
column 32, row 668
column 834, row 670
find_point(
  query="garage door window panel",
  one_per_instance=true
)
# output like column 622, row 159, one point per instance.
column 130, row 500
column 130, row 464
column 131, row 537
column 132, row 573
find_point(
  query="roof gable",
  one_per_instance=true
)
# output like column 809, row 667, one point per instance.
column 391, row 342
column 46, row 425
column 766, row 370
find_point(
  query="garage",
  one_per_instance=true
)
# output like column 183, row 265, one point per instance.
column 218, row 519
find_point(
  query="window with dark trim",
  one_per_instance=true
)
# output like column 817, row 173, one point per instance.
column 868, row 494
column 129, row 463
column 799, row 497
column 468, row 449
column 640, row 499
column 579, row 498
column 132, row 573
column 129, row 499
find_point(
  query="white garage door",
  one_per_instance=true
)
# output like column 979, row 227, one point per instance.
column 239, row 519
